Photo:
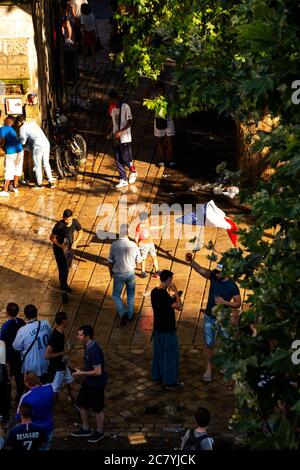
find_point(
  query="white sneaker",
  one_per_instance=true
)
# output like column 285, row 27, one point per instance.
column 122, row 184
column 4, row 193
column 132, row 177
column 12, row 189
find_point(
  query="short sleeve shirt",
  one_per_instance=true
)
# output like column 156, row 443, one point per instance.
column 26, row 437
column 164, row 314
column 220, row 288
column 63, row 232
column 124, row 255
column 12, row 143
column 125, row 117
column 57, row 342
column 93, row 357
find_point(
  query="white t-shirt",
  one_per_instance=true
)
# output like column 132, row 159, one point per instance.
column 35, row 359
column 125, row 117
column 33, row 133
column 77, row 6
column 88, row 22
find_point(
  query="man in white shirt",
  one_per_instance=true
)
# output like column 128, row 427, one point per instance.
column 32, row 341
column 31, row 133
column 121, row 116
column 123, row 257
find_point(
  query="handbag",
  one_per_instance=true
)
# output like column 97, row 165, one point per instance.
column 161, row 123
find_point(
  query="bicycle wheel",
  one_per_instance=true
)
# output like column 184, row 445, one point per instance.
column 70, row 164
column 59, row 162
column 79, row 149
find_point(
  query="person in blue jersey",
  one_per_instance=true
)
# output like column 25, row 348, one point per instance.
column 13, row 156
column 41, row 399
column 91, row 393
column 27, row 435
column 32, row 340
column 8, row 334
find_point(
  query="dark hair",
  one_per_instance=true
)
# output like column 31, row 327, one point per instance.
column 202, row 416
column 87, row 330
column 32, row 378
column 85, row 9
column 12, row 309
column 25, row 410
column 9, row 119
column 60, row 317
column 68, row 213
column 30, row 311
column 20, row 119
column 165, row 274
column 114, row 95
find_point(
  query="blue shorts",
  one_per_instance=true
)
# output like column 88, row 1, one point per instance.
column 210, row 329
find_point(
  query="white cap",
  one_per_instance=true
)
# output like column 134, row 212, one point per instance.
column 2, row 353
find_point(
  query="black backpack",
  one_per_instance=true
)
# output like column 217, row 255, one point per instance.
column 194, row 443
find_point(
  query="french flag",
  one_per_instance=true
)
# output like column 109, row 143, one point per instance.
column 209, row 215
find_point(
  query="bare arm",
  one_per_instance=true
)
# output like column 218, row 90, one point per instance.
column 53, row 238
column 91, row 373
column 199, row 269
column 235, row 304
column 78, row 238
column 110, row 266
column 177, row 304
column 49, row 354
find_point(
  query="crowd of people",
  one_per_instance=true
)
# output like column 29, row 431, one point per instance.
column 37, row 356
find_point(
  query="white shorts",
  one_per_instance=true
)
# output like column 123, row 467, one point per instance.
column 169, row 131
column 13, row 165
column 62, row 377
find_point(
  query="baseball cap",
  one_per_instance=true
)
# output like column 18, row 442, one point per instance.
column 219, row 267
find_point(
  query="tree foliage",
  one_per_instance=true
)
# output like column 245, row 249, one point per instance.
column 241, row 57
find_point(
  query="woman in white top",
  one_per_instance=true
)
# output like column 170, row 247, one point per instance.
column 89, row 36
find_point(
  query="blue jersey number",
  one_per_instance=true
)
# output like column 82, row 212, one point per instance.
column 45, row 341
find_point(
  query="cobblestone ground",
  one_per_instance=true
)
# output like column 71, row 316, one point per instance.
column 28, row 275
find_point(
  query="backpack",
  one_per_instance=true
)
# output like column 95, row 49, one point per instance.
column 194, row 443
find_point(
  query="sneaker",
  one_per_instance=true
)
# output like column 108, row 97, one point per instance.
column 50, row 185
column 124, row 319
column 143, row 274
column 122, row 184
column 132, row 177
column 24, row 182
column 13, row 189
column 161, row 164
column 38, row 186
column 96, row 436
column 4, row 193
column 82, row 433
column 172, row 164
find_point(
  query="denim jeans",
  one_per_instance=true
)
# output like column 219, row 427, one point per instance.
column 127, row 279
column 41, row 157
column 165, row 360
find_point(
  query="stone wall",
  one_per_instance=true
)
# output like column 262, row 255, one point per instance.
column 27, row 56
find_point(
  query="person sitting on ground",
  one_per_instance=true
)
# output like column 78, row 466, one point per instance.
column 13, row 156
column 198, row 438
column 144, row 240
column 27, row 435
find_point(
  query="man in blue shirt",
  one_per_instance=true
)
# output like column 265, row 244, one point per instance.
column 8, row 333
column 13, row 156
column 27, row 435
column 41, row 399
column 222, row 291
column 91, row 394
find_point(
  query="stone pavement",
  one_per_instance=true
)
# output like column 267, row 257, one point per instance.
column 28, row 274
